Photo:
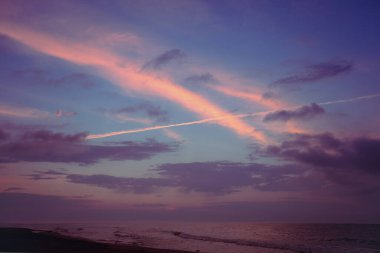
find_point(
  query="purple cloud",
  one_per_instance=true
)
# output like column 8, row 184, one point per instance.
column 164, row 59
column 153, row 111
column 46, row 175
column 120, row 184
column 209, row 177
column 350, row 164
column 226, row 177
column 3, row 135
column 217, row 178
column 327, row 151
column 206, row 78
column 12, row 128
column 62, row 113
column 268, row 95
column 48, row 136
column 290, row 211
column 8, row 46
column 12, row 189
column 316, row 72
column 82, row 79
column 302, row 113
column 47, row 146
column 42, row 77
column 17, row 207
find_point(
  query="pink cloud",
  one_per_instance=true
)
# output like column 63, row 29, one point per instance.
column 22, row 112
column 128, row 76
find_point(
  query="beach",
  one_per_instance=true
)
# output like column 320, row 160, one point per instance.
column 28, row 240
column 181, row 237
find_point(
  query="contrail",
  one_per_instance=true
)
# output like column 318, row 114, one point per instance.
column 244, row 115
column 351, row 99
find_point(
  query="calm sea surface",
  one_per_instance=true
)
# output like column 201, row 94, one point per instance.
column 228, row 237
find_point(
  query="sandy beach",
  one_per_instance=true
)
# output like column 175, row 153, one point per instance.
column 28, row 240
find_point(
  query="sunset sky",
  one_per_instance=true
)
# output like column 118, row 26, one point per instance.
column 243, row 110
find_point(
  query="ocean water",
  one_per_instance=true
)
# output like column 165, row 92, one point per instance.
column 228, row 237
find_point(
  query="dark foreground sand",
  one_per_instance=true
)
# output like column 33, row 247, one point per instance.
column 28, row 240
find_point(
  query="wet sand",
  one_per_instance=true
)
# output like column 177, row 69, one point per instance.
column 28, row 240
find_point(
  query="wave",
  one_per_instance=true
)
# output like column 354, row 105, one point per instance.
column 240, row 242
column 368, row 246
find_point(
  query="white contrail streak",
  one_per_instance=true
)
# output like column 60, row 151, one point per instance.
column 98, row 136
column 351, row 99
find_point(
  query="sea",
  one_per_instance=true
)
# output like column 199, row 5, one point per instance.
column 226, row 237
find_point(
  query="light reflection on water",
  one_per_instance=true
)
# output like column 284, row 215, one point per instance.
column 228, row 237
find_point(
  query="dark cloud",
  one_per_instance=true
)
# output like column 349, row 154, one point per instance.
column 268, row 95
column 48, row 136
column 120, row 184
column 82, row 79
column 14, row 128
column 206, row 78
column 16, row 207
column 42, row 77
column 12, row 189
column 38, row 176
column 153, row 111
column 217, row 178
column 226, row 177
column 47, row 146
column 8, row 47
column 62, row 113
column 316, row 72
column 3, row 135
column 46, row 175
column 164, row 59
column 327, row 151
column 210, row 177
column 345, row 167
column 302, row 113
column 290, row 211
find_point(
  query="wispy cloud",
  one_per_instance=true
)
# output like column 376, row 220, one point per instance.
column 173, row 55
column 249, row 95
column 120, row 184
column 145, row 129
column 156, row 115
column 217, row 178
column 129, row 77
column 209, row 120
column 47, row 146
column 22, row 112
column 3, row 135
column 44, row 78
column 223, row 177
column 174, row 135
column 316, row 72
column 154, row 112
column 13, row 189
column 206, row 78
column 44, row 207
column 304, row 112
column 55, row 208
column 45, row 175
column 123, row 118
column 62, row 113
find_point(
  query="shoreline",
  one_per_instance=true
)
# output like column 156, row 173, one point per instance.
column 29, row 240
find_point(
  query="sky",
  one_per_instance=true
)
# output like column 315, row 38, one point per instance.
column 248, row 110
